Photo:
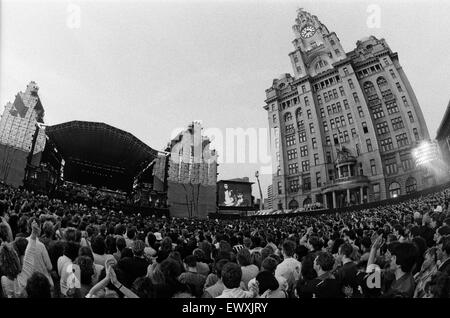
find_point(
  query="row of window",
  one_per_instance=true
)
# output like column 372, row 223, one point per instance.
column 369, row 71
column 327, row 83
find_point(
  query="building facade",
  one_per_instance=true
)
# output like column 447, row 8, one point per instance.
column 443, row 138
column 343, row 126
column 17, row 128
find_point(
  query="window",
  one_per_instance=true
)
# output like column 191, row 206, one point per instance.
column 338, row 106
column 329, row 157
column 287, row 116
column 308, row 113
column 290, row 140
column 329, row 109
column 314, row 143
column 399, row 87
column 333, row 126
column 318, row 180
column 402, row 140
column 278, row 157
column 302, row 136
column 397, row 123
column 386, row 61
column 338, row 123
column 346, row 106
column 376, row 191
column 280, row 189
column 293, row 187
column 369, row 145
column 382, row 128
column 319, row 100
column 299, row 69
column 332, row 42
column 278, row 171
column 350, row 83
column 311, row 128
column 316, row 159
column 345, row 71
column 386, row 144
column 373, row 167
column 357, row 150
column 322, row 113
column 346, row 138
column 335, row 94
column 292, row 154
column 306, row 101
column 277, row 143
column 334, row 108
column 274, row 118
column 405, row 102
column 364, row 126
column 325, row 126
column 307, row 186
column 411, row 185
column 328, row 140
column 353, row 131
column 303, row 151
column 337, row 52
column 416, row 134
column 392, row 74
column 343, row 121
column 355, row 97
column 298, row 113
column 407, row 163
column 290, row 129
column 394, row 190
column 336, row 140
column 303, row 89
column 325, row 96
column 305, row 165
column 377, row 111
column 391, row 165
column 341, row 90
column 300, row 125
column 360, row 111
column 392, row 107
column 350, row 118
column 411, row 117
column 293, row 168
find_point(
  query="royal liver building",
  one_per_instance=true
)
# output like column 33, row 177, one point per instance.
column 343, row 126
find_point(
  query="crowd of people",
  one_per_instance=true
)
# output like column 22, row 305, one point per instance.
column 62, row 249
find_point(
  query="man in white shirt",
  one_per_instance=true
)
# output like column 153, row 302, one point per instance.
column 231, row 279
column 289, row 268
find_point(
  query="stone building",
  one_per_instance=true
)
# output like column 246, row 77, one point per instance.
column 344, row 124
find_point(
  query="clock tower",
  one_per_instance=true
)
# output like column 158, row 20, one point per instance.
column 316, row 49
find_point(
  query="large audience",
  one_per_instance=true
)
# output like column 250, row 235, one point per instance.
column 62, row 249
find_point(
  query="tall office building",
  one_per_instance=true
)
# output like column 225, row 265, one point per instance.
column 343, row 126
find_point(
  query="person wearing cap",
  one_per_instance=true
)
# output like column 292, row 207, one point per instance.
column 134, row 266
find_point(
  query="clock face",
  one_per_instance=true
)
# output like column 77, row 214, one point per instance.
column 307, row 32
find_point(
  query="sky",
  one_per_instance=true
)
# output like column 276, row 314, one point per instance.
column 151, row 67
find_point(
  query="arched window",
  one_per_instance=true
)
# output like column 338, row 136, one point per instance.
column 369, row 88
column 306, row 202
column 320, row 64
column 287, row 116
column 293, row 204
column 382, row 83
column 298, row 113
column 411, row 185
column 394, row 190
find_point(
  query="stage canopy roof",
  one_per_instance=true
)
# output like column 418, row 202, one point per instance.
column 99, row 154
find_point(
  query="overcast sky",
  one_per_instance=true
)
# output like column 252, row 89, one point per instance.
column 148, row 67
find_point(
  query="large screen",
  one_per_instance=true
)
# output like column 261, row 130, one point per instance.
column 235, row 194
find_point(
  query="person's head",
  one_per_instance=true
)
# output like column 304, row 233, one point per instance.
column 247, row 243
column 98, row 245
column 110, row 243
column 256, row 259
column 431, row 257
column 47, row 229
column 9, row 261
column 398, row 231
column 269, row 264
column 445, row 247
column 345, row 251
column 231, row 275
column 440, row 232
column 38, row 286
column 323, row 263
column 403, row 256
column 266, row 251
column 131, row 233
column 71, row 234
column 151, row 239
column 199, row 254
column 438, row 286
column 71, row 250
column 4, row 235
column 219, row 266
column 120, row 243
column 244, row 257
column 314, row 243
column 86, row 269
column 85, row 251
column 266, row 280
column 138, row 248
column 288, row 248
column 190, row 262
